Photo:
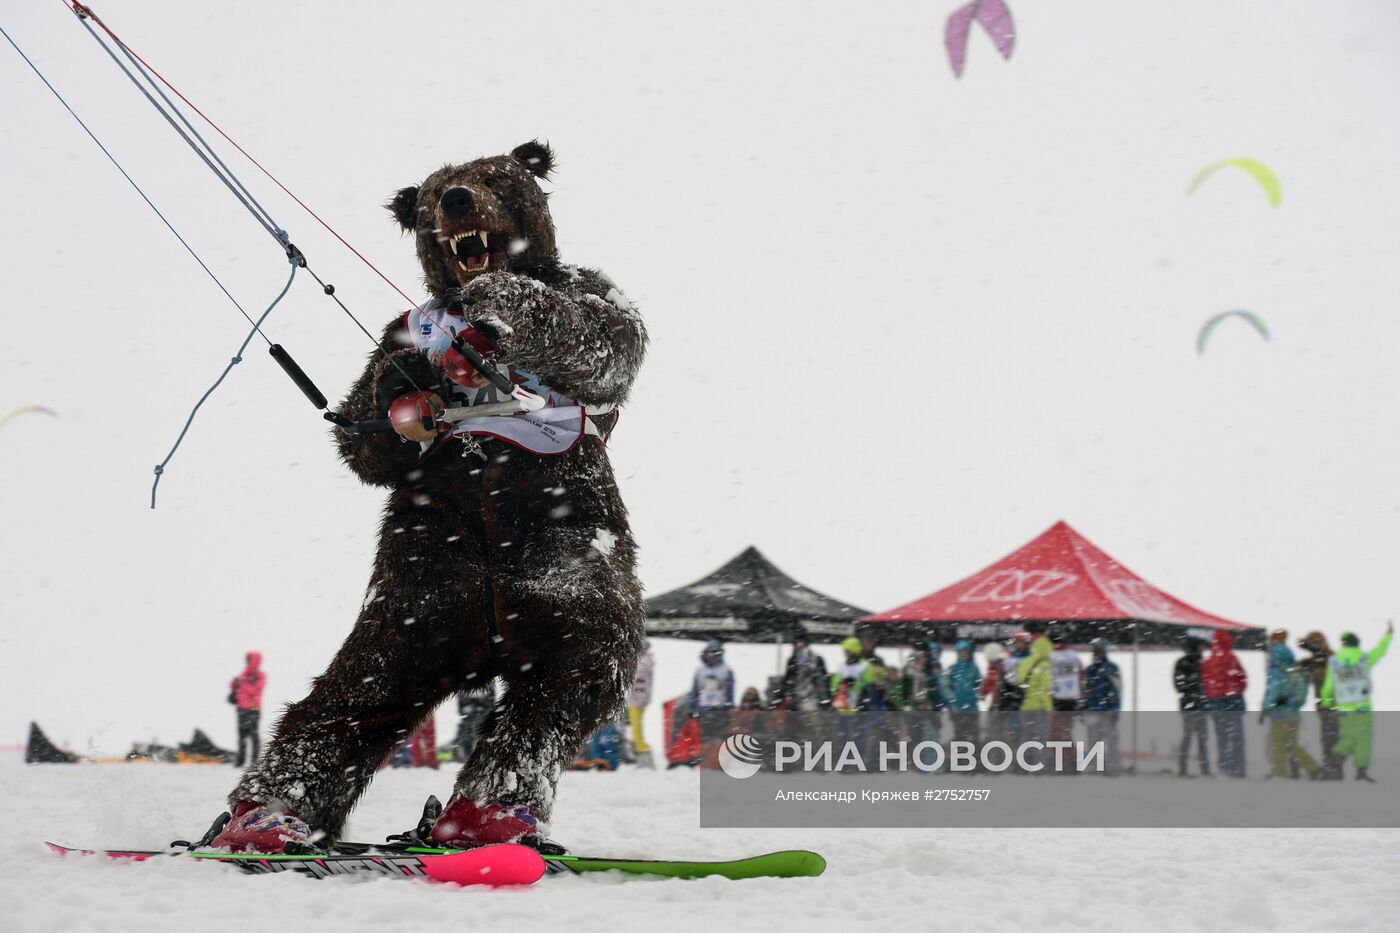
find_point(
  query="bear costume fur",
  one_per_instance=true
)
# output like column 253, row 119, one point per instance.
column 520, row 565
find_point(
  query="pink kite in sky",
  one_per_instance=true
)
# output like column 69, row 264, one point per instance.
column 994, row 17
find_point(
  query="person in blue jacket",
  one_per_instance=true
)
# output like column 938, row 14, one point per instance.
column 1285, row 692
column 960, row 683
column 1103, row 698
column 712, row 691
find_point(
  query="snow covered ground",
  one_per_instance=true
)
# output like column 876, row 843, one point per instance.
column 1306, row 880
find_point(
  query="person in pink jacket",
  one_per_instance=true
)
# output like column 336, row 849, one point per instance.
column 245, row 693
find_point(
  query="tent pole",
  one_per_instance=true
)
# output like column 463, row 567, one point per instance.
column 1135, row 698
column 778, row 652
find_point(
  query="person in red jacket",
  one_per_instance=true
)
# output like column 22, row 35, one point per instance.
column 991, row 683
column 245, row 693
column 1224, row 681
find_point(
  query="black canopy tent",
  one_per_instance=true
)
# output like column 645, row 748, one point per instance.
column 750, row 600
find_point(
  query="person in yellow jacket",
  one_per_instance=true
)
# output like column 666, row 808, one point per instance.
column 1348, row 690
column 1034, row 676
column 852, row 682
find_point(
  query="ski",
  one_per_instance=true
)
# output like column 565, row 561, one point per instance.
column 494, row 865
column 791, row 863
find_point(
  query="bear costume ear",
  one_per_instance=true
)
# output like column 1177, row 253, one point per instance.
column 404, row 207
column 537, row 156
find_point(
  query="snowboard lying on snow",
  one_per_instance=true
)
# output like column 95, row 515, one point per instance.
column 494, row 865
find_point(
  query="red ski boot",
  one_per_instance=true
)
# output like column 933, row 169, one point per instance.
column 466, row 823
column 256, row 827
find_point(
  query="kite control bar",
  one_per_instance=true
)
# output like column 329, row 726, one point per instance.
column 520, row 401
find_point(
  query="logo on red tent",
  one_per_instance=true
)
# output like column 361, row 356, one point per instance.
column 1140, row 597
column 1016, row 585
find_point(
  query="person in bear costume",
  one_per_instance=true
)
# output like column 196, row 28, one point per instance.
column 504, row 549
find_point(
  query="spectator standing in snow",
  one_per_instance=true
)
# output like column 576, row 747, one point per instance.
column 849, row 688
column 1224, row 680
column 1010, row 694
column 960, row 683
column 1285, row 691
column 638, row 698
column 473, row 706
column 245, row 693
column 1033, row 674
column 712, row 691
column 1103, row 698
column 881, row 681
column 1314, row 667
column 1348, row 688
column 920, row 694
column 993, row 652
column 422, row 745
column 1066, row 689
column 879, row 676
column 849, row 679
column 805, row 680
column 1272, row 672
column 1191, row 698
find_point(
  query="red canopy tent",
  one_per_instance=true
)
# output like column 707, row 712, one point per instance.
column 1063, row 580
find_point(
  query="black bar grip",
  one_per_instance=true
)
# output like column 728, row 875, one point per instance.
column 303, row 381
column 498, row 379
column 377, row 426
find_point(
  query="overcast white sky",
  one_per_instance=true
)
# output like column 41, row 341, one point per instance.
column 901, row 323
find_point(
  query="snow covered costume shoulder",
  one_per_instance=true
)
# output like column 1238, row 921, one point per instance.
column 515, row 562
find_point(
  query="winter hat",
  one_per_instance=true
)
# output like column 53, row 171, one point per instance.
column 1099, row 644
column 992, row 651
column 1350, row 640
column 852, row 645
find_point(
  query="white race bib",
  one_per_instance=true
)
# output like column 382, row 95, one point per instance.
column 554, row 429
column 1064, row 677
column 711, row 691
column 1351, row 683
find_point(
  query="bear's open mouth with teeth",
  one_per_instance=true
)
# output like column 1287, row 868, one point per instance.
column 473, row 251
